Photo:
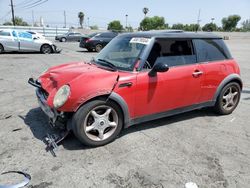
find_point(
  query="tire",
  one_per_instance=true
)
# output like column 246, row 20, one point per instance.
column 98, row 47
column 97, row 123
column 89, row 50
column 63, row 39
column 228, row 99
column 1, row 49
column 46, row 49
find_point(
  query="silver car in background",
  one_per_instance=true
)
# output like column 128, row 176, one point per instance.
column 22, row 41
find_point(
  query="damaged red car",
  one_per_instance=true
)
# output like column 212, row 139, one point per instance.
column 139, row 77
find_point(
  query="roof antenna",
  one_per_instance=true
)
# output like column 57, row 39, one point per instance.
column 198, row 21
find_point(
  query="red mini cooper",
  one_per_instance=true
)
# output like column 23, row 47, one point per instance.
column 139, row 77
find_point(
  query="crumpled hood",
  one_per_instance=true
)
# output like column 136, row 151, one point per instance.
column 58, row 76
column 85, row 80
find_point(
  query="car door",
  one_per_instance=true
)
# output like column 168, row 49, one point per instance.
column 77, row 37
column 179, row 87
column 27, row 43
column 9, row 40
column 212, row 55
column 71, row 37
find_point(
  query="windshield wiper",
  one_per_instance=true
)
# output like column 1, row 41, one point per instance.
column 109, row 64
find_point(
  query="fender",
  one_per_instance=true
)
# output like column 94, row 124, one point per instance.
column 117, row 98
column 229, row 78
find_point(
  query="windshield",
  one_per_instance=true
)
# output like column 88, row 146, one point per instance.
column 122, row 52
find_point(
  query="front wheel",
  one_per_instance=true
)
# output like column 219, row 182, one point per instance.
column 46, row 49
column 97, row 123
column 228, row 99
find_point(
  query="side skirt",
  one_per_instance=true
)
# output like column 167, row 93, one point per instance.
column 170, row 113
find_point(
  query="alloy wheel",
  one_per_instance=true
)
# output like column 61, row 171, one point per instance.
column 230, row 98
column 100, row 123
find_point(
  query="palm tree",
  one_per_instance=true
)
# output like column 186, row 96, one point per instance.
column 145, row 10
column 81, row 18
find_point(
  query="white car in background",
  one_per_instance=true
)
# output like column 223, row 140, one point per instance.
column 22, row 41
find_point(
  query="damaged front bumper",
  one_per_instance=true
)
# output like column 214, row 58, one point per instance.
column 57, row 119
column 55, row 49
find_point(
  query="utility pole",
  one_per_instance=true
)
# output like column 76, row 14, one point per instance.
column 199, row 20
column 126, row 21
column 33, row 20
column 12, row 11
column 64, row 13
column 88, row 22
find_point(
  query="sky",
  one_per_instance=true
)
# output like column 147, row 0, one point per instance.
column 101, row 12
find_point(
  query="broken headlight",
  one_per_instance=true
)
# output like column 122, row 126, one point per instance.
column 61, row 96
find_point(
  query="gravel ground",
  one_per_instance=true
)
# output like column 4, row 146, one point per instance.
column 199, row 146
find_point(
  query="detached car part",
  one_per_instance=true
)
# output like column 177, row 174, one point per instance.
column 25, row 182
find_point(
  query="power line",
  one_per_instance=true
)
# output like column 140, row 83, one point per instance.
column 38, row 4
column 24, row 2
column 33, row 4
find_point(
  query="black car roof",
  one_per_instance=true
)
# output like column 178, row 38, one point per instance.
column 172, row 34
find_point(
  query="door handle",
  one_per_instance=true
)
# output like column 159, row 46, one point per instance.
column 197, row 73
column 129, row 84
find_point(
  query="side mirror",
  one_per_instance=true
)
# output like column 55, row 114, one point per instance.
column 158, row 67
column 35, row 38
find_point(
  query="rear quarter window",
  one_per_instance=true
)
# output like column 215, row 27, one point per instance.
column 5, row 33
column 211, row 50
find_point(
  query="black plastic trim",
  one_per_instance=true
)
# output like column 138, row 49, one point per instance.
column 171, row 112
column 117, row 98
column 226, row 80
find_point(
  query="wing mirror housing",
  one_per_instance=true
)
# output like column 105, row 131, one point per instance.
column 158, row 67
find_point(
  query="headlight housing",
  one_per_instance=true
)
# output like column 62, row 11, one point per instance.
column 61, row 96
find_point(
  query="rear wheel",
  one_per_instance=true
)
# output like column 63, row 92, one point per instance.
column 98, row 47
column 228, row 99
column 63, row 39
column 46, row 49
column 97, row 123
column 1, row 48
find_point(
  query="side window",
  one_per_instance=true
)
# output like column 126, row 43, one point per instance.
column 175, row 52
column 25, row 35
column 211, row 50
column 4, row 33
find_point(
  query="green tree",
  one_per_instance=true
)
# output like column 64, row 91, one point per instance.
column 18, row 21
column 145, row 10
column 210, row 27
column 81, row 18
column 155, row 23
column 230, row 23
column 115, row 26
column 178, row 26
column 246, row 25
column 191, row 27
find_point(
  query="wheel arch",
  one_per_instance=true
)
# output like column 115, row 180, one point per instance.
column 230, row 78
column 2, row 46
column 116, row 98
